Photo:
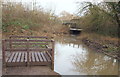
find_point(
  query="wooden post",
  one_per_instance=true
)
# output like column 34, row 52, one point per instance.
column 27, row 51
column 3, row 52
column 10, row 44
column 53, row 43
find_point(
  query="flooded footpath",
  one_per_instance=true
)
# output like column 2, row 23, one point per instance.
column 74, row 58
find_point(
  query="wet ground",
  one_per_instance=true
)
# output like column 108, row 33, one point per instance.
column 36, row 70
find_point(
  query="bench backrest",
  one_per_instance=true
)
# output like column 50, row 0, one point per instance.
column 27, row 37
column 27, row 43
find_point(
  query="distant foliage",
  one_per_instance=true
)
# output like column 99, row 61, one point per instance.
column 100, row 18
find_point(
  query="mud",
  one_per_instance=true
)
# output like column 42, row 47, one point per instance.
column 100, row 48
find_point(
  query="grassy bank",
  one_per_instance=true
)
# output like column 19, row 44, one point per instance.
column 104, row 44
column 20, row 20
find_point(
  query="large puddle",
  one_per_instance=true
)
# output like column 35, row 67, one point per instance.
column 73, row 58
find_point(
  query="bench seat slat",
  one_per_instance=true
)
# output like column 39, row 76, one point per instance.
column 47, row 57
column 40, row 57
column 15, row 57
column 8, row 56
column 22, row 57
column 25, row 56
column 11, row 57
column 48, row 53
column 33, row 57
column 36, row 57
column 19, row 56
column 45, row 60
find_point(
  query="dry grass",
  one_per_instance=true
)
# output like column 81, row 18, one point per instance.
column 17, row 20
column 106, row 44
column 99, row 38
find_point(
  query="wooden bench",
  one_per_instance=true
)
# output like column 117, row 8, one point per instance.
column 28, row 51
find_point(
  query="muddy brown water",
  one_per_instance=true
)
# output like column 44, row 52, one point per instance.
column 74, row 58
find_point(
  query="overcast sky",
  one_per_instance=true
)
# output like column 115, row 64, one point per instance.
column 58, row 5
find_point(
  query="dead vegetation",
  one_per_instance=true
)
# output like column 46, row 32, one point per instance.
column 104, row 44
column 19, row 20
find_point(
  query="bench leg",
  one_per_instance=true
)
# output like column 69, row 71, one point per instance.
column 52, row 65
column 4, row 69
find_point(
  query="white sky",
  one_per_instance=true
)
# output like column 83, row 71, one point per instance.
column 58, row 5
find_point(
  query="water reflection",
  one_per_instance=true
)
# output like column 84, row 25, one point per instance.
column 95, row 64
column 63, row 56
column 73, row 58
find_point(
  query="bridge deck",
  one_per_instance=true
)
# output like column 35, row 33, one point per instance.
column 76, row 29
